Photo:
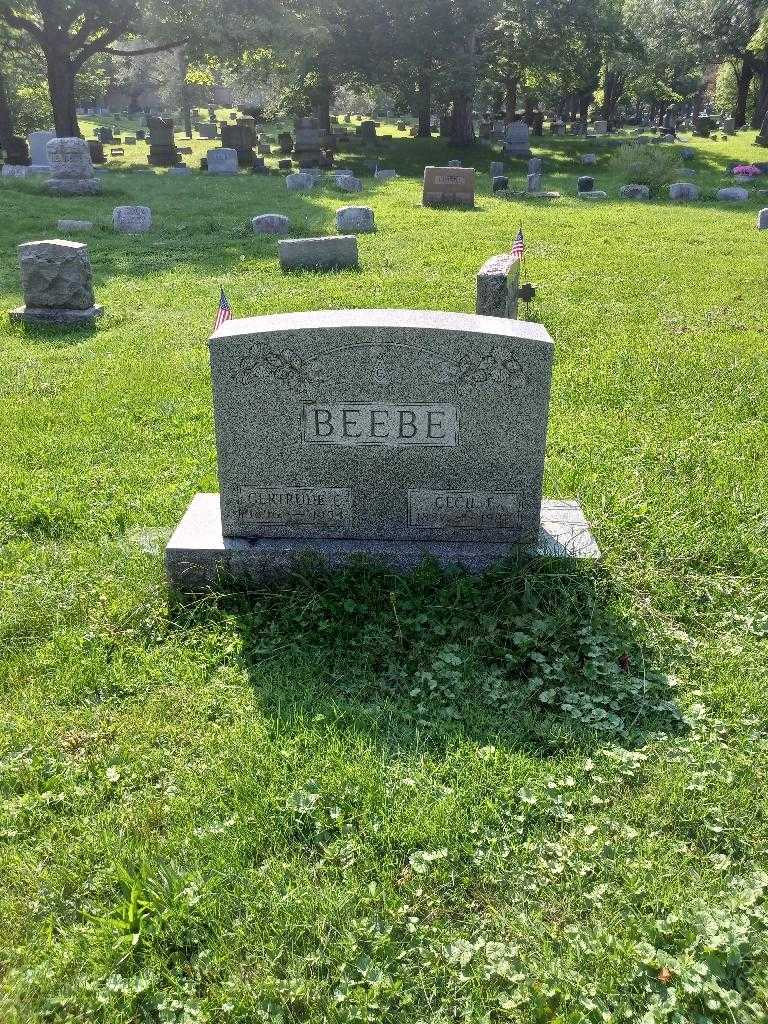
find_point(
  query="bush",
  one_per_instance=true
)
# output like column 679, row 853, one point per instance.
column 651, row 165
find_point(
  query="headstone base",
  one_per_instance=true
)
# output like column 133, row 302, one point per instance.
column 75, row 186
column 62, row 317
column 199, row 558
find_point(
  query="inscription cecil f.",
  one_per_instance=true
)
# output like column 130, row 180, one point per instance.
column 473, row 510
column 396, row 426
column 295, row 506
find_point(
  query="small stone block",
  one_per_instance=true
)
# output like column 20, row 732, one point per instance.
column 385, row 174
column 222, row 161
column 589, row 158
column 334, row 252
column 355, row 220
column 762, row 219
column 497, row 285
column 595, row 193
column 132, row 220
column 74, row 225
column 635, row 192
column 733, row 194
column 683, row 190
column 349, row 183
column 271, row 224
column 300, row 182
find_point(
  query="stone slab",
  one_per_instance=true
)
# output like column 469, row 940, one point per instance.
column 74, row 225
column 448, row 186
column 198, row 556
column 333, row 252
column 62, row 317
column 497, row 286
column 384, row 424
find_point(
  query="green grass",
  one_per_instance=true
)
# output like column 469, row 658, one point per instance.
column 535, row 796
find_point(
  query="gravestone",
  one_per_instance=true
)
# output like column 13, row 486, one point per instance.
column 589, row 158
column 162, row 147
column 15, row 171
column 593, row 194
column 241, row 137
column 222, row 161
column 635, row 192
column 57, row 283
column 208, row 131
column 74, row 225
column 683, row 190
column 601, row 127
column 500, row 183
column 349, row 183
column 284, row 165
column 285, row 142
column 307, row 148
column 355, row 220
column 38, row 153
column 534, row 165
column 71, row 168
column 367, row 130
column 299, row 182
column 271, row 224
column 517, row 139
column 448, row 186
column 333, row 252
column 762, row 219
column 17, row 152
column 384, row 174
column 497, row 286
column 396, row 434
column 733, row 194
column 497, row 169
column 585, row 183
column 533, row 183
column 132, row 220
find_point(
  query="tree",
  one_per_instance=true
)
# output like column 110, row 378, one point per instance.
column 70, row 34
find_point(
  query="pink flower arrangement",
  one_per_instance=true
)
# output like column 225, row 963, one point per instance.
column 747, row 170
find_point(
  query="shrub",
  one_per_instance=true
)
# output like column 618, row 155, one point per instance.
column 654, row 166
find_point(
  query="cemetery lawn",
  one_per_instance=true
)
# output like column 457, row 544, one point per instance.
column 541, row 795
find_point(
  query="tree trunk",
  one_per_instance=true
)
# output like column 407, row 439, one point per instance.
column 585, row 99
column 761, row 103
column 424, row 105
column 322, row 102
column 6, row 118
column 462, row 126
column 510, row 99
column 61, row 87
column 744, row 78
column 186, row 112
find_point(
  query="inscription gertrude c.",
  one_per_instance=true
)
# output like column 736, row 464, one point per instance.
column 469, row 510
column 396, row 426
column 295, row 506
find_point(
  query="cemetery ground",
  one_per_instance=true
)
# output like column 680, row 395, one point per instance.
column 537, row 795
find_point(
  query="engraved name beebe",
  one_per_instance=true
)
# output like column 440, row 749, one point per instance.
column 380, row 423
column 384, row 424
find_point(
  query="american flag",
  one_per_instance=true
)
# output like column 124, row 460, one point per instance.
column 519, row 247
column 224, row 311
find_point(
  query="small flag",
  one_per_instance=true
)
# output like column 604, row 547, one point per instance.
column 519, row 247
column 224, row 311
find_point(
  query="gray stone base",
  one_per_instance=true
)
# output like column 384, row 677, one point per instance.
column 199, row 558
column 62, row 317
column 74, row 186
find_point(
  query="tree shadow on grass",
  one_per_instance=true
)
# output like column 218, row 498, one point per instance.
column 533, row 656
